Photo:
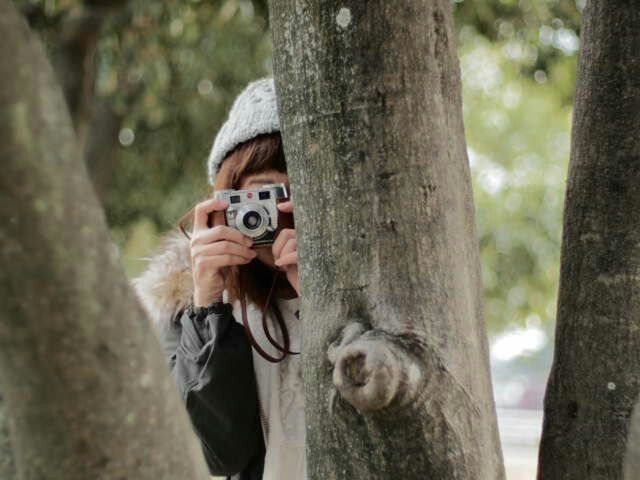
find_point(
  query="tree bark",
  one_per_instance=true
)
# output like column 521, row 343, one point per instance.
column 87, row 390
column 595, row 377
column 7, row 462
column 395, row 355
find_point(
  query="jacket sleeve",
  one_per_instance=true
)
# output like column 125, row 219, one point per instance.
column 212, row 365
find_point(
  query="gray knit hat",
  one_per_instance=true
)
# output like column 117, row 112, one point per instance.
column 254, row 112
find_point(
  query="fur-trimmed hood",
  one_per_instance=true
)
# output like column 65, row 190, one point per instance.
column 166, row 285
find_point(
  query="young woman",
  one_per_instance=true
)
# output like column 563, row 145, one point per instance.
column 241, row 384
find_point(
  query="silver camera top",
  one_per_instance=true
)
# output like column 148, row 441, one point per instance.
column 253, row 211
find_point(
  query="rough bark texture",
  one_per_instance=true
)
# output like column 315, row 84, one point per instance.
column 396, row 364
column 7, row 463
column 595, row 378
column 87, row 391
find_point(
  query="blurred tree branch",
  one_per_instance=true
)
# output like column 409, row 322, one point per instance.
column 72, row 53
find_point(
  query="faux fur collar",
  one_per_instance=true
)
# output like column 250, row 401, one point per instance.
column 166, row 286
column 167, row 283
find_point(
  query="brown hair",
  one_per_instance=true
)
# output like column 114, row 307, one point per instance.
column 263, row 152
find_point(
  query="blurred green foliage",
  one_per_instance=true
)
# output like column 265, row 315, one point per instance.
column 518, row 135
column 170, row 70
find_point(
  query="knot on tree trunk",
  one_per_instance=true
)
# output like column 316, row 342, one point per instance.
column 372, row 370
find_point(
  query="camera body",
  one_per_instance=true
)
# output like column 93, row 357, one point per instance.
column 254, row 212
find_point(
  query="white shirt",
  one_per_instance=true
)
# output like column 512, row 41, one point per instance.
column 280, row 393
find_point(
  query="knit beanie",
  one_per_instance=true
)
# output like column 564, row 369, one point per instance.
column 254, row 112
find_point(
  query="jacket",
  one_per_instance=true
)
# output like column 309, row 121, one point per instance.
column 211, row 363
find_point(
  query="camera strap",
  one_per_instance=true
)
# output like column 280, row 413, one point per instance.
column 281, row 324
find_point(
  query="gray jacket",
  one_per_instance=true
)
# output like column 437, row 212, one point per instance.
column 211, row 362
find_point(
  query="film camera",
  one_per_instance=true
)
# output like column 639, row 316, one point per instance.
column 254, row 212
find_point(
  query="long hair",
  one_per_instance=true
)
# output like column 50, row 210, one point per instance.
column 263, row 152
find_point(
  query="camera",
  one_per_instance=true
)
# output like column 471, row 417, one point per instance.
column 254, row 212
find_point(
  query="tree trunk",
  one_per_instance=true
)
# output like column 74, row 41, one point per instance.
column 87, row 390
column 73, row 59
column 101, row 146
column 74, row 42
column 74, row 63
column 595, row 378
column 396, row 365
column 7, row 462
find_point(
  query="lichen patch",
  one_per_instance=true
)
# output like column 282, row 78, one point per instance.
column 343, row 19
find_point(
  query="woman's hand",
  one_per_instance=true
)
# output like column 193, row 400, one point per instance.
column 285, row 249
column 214, row 250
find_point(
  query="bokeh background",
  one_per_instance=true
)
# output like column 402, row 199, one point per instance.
column 164, row 77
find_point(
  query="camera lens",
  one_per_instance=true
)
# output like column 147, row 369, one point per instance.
column 252, row 220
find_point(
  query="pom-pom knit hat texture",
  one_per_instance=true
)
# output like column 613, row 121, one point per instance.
column 254, row 112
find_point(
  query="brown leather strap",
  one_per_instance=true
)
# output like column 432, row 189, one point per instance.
column 279, row 319
column 283, row 326
column 252, row 340
column 285, row 334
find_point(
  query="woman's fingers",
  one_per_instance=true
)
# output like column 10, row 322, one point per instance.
column 288, row 254
column 282, row 238
column 286, row 207
column 220, row 232
column 202, row 211
column 290, row 246
column 288, row 259
column 204, row 264
column 223, row 247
